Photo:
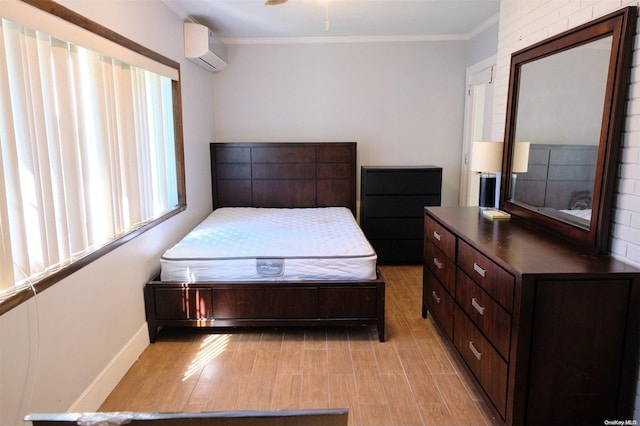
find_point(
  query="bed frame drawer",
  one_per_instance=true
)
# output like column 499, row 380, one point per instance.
column 183, row 304
column 281, row 302
column 337, row 302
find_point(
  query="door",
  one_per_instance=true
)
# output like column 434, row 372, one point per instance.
column 477, row 124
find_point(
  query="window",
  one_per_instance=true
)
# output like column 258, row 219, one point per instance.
column 90, row 154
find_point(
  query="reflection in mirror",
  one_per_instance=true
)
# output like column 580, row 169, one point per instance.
column 560, row 104
column 566, row 102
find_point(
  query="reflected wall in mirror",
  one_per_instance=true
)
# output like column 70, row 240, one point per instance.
column 560, row 106
column 564, row 122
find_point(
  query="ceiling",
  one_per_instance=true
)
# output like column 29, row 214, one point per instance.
column 238, row 20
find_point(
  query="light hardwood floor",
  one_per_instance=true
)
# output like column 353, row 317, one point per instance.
column 411, row 379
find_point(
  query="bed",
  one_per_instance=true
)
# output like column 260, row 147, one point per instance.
column 284, row 188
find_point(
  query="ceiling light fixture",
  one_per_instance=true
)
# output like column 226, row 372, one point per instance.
column 326, row 17
column 274, row 2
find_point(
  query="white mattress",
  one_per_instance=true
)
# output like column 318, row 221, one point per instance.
column 582, row 214
column 249, row 244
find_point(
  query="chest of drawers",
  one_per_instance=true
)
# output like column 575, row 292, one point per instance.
column 548, row 333
column 392, row 200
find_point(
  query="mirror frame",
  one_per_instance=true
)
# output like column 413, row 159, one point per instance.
column 621, row 25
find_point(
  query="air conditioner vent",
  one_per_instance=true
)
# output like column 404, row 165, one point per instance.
column 203, row 47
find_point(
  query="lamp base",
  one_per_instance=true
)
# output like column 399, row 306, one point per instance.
column 512, row 189
column 487, row 196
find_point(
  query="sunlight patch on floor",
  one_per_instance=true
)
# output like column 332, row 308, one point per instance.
column 211, row 347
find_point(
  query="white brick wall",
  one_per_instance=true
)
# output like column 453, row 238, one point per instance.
column 525, row 22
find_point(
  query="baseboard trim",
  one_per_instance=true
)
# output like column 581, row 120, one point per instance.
column 96, row 393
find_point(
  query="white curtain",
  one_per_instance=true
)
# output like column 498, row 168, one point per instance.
column 87, row 152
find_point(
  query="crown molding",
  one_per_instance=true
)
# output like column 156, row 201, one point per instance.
column 485, row 25
column 345, row 39
column 180, row 12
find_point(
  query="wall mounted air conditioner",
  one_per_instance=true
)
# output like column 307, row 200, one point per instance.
column 203, row 47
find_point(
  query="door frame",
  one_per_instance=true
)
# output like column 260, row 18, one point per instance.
column 469, row 181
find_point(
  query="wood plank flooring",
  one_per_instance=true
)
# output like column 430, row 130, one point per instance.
column 411, row 379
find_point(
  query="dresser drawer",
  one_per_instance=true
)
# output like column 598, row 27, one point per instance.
column 492, row 278
column 403, row 181
column 486, row 314
column 393, row 228
column 441, row 266
column 398, row 252
column 440, row 237
column 398, row 205
column 483, row 360
column 438, row 301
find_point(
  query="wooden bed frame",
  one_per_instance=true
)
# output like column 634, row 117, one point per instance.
column 273, row 175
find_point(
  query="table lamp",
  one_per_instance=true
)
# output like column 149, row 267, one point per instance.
column 520, row 164
column 486, row 158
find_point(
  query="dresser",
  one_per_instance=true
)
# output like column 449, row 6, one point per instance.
column 392, row 200
column 548, row 333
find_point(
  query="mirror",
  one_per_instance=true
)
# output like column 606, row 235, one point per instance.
column 560, row 106
column 565, row 114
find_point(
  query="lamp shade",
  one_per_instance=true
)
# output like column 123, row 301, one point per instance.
column 486, row 157
column 520, row 157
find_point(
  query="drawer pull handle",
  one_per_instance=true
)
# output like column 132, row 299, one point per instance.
column 478, row 307
column 435, row 297
column 436, row 235
column 479, row 270
column 475, row 351
column 437, row 263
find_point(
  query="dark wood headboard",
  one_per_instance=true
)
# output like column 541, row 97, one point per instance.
column 284, row 174
column 558, row 176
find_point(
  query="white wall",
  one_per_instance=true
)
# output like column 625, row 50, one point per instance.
column 66, row 348
column 483, row 45
column 402, row 102
column 525, row 23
